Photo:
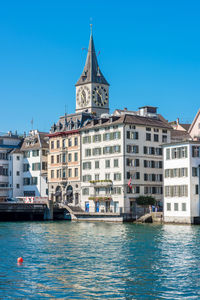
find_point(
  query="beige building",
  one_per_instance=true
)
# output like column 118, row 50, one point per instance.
column 64, row 166
column 64, row 158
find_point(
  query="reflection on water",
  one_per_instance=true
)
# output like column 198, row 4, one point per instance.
column 66, row 260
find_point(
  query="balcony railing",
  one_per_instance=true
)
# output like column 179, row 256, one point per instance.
column 100, row 183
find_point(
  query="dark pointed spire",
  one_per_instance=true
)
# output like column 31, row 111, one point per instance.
column 91, row 72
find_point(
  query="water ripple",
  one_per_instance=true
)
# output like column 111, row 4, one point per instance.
column 67, row 260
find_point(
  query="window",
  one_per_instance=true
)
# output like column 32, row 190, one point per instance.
column 132, row 149
column 52, row 159
column 194, row 172
column 148, row 128
column 196, row 189
column 26, row 181
column 97, row 138
column 25, row 167
column 35, row 153
column 156, row 130
column 148, row 136
column 167, row 153
column 52, row 144
column 17, row 173
column 117, row 176
column 17, row 186
column 76, row 172
column 34, row 181
column 58, row 144
column 175, row 206
column 168, row 206
column 156, row 138
column 76, row 156
column 75, row 141
column 164, row 138
column 63, row 143
column 69, row 157
column 58, row 173
column 85, row 191
column 64, row 158
column 86, row 139
column 69, row 142
column 64, row 173
column 87, row 165
column 107, row 163
column 87, row 178
column 44, row 166
column 164, row 131
column 96, row 151
column 87, row 152
column 116, row 149
column 57, row 159
column 52, row 173
column 35, row 166
column 96, row 164
column 116, row 163
column 107, row 176
column 183, row 206
column 69, row 172
column 179, row 152
column 116, row 190
column 18, row 157
column 96, row 176
column 116, row 135
column 195, row 151
column 132, row 135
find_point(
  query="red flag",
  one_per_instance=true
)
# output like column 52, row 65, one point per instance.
column 129, row 183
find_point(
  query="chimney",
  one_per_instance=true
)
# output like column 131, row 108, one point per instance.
column 125, row 109
column 177, row 121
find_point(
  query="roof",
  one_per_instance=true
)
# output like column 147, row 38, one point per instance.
column 179, row 135
column 185, row 126
column 194, row 121
column 35, row 141
column 91, row 72
column 173, row 143
column 127, row 119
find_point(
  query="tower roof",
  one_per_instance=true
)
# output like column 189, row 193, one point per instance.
column 91, row 72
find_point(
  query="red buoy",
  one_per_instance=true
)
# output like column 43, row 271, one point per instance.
column 20, row 260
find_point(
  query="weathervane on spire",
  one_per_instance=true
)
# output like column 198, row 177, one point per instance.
column 91, row 26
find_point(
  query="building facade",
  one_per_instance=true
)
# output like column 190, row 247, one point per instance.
column 35, row 151
column 8, row 142
column 181, row 181
column 64, row 166
column 122, row 159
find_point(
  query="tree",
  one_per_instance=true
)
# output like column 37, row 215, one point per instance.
column 146, row 200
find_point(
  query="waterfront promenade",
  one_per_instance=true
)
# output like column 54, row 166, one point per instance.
column 70, row 260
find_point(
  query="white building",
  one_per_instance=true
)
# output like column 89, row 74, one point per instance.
column 35, row 151
column 8, row 142
column 117, row 148
column 15, row 173
column 181, row 182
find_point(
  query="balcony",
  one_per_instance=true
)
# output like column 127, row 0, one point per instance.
column 100, row 197
column 101, row 183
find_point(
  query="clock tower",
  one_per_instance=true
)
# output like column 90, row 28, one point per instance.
column 92, row 89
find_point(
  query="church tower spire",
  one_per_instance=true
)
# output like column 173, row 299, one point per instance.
column 91, row 72
column 92, row 88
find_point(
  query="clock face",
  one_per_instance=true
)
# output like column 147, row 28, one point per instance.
column 100, row 96
column 83, row 96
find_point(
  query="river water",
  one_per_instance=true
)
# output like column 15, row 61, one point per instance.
column 69, row 260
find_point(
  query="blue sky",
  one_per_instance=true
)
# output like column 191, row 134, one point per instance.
column 150, row 55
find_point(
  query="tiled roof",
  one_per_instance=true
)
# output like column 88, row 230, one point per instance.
column 179, row 135
column 128, row 119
